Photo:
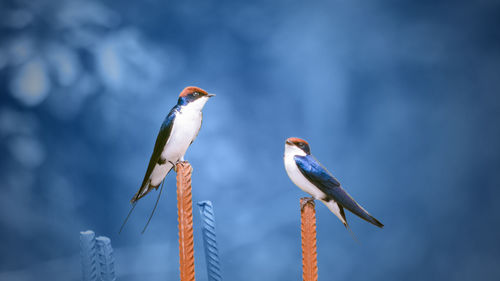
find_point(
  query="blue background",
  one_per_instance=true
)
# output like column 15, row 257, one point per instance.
column 399, row 99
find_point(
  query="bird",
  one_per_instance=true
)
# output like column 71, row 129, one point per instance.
column 177, row 132
column 309, row 175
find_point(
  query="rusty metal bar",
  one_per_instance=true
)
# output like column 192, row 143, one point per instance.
column 185, row 214
column 308, row 234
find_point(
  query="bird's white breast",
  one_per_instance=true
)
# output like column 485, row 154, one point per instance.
column 186, row 126
column 296, row 176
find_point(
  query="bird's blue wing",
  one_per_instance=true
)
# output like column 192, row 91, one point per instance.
column 326, row 182
column 161, row 140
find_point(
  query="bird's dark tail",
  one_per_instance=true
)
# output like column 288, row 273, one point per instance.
column 356, row 209
column 369, row 218
column 375, row 222
column 145, row 189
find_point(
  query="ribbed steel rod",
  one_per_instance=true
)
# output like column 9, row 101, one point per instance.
column 185, row 216
column 88, row 254
column 210, row 241
column 106, row 258
column 308, row 234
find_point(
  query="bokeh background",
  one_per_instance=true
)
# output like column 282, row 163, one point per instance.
column 399, row 99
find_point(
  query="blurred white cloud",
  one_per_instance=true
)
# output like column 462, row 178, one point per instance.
column 31, row 83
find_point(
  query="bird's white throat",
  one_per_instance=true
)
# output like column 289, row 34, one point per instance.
column 196, row 105
column 293, row 150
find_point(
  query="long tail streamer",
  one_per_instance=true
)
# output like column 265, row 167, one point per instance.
column 154, row 208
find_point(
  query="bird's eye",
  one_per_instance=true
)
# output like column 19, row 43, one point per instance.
column 195, row 94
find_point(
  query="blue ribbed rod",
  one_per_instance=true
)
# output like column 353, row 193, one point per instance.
column 106, row 259
column 210, row 241
column 88, row 254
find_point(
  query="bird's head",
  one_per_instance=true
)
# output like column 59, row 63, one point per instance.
column 194, row 97
column 297, row 146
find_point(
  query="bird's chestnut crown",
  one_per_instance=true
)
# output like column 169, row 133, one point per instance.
column 300, row 143
column 190, row 94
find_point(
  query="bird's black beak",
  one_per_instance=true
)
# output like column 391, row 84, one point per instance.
column 210, row 95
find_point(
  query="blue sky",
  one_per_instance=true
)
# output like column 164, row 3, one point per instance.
column 398, row 99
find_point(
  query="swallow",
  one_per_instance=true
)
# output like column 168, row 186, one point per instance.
column 309, row 175
column 177, row 132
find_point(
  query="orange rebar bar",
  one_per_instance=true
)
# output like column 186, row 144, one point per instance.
column 308, row 234
column 185, row 214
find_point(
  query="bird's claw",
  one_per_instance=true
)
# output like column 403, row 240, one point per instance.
column 178, row 162
column 174, row 166
column 304, row 201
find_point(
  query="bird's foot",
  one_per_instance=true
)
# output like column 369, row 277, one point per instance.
column 304, row 201
column 174, row 165
column 181, row 161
